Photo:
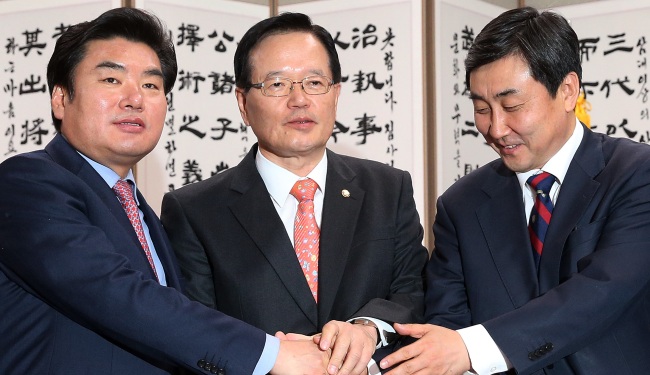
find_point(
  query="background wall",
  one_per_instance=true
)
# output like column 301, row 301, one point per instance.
column 25, row 102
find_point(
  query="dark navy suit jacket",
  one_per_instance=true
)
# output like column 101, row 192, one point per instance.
column 77, row 293
column 588, row 312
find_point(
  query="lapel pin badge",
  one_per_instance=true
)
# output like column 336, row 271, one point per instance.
column 345, row 193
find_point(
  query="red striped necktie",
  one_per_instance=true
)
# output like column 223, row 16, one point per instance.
column 540, row 215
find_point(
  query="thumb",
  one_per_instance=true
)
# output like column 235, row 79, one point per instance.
column 413, row 330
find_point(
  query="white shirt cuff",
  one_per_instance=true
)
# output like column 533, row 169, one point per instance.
column 484, row 354
column 373, row 369
column 381, row 325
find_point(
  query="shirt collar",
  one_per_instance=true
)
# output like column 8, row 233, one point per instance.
column 279, row 181
column 558, row 165
column 109, row 176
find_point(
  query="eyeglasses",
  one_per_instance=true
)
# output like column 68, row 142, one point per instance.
column 279, row 86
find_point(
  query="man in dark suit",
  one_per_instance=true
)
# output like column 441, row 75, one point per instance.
column 570, row 294
column 234, row 234
column 88, row 281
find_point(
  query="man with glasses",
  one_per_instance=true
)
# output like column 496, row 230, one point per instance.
column 297, row 238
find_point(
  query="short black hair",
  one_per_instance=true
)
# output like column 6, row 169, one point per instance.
column 545, row 41
column 131, row 24
column 281, row 24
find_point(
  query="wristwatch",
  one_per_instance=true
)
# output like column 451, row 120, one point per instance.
column 384, row 337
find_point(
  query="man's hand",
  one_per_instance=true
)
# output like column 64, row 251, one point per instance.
column 299, row 356
column 438, row 350
column 352, row 346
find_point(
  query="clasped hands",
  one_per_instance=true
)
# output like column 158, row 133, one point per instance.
column 437, row 351
column 340, row 349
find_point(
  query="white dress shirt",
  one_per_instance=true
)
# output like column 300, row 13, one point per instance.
column 279, row 182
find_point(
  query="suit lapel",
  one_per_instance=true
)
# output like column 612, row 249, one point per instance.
column 161, row 243
column 259, row 219
column 576, row 192
column 502, row 217
column 62, row 153
column 338, row 225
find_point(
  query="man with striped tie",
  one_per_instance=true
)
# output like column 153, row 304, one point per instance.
column 542, row 257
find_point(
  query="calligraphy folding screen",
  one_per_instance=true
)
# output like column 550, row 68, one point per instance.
column 203, row 133
column 613, row 40
column 459, row 146
column 380, row 110
column 29, row 31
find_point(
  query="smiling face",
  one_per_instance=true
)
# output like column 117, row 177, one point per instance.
column 293, row 130
column 118, row 110
column 516, row 114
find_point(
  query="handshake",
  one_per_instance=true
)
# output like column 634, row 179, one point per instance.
column 340, row 349
column 344, row 348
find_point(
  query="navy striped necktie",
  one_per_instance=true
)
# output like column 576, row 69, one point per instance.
column 540, row 215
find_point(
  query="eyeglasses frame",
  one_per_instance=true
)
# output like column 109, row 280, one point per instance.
column 260, row 85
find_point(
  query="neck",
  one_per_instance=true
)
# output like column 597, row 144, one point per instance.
column 298, row 165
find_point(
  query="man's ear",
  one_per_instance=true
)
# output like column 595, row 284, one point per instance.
column 58, row 102
column 570, row 90
column 241, row 103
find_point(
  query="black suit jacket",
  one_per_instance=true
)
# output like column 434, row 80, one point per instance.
column 588, row 312
column 237, row 257
column 78, row 294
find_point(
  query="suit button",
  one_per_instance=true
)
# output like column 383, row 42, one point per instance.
column 548, row 347
column 215, row 370
column 208, row 366
column 201, row 363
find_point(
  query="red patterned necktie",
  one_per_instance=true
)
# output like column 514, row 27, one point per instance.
column 124, row 193
column 540, row 215
column 306, row 234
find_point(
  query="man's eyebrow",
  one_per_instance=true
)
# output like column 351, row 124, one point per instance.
column 506, row 92
column 475, row 96
column 281, row 73
column 110, row 65
column 154, row 72
column 115, row 66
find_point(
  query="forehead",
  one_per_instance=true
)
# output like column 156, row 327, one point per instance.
column 503, row 75
column 121, row 51
column 289, row 52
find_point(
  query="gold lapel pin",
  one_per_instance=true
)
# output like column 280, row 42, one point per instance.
column 345, row 193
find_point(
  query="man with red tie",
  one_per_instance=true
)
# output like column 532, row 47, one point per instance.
column 297, row 238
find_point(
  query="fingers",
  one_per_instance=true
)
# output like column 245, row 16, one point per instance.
column 356, row 361
column 413, row 330
column 297, row 336
column 339, row 346
column 300, row 356
column 353, row 346
column 328, row 335
column 402, row 355
column 438, row 351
